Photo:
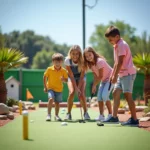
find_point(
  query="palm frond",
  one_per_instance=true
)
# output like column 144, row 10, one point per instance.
column 10, row 58
column 142, row 62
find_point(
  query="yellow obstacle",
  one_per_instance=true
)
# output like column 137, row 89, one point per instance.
column 20, row 107
column 74, row 106
column 129, row 112
column 25, row 124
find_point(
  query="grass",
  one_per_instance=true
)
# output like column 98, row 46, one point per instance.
column 52, row 136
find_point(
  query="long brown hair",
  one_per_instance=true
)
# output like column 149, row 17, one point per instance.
column 88, row 64
column 80, row 60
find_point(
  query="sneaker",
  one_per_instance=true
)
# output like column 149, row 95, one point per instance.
column 131, row 122
column 86, row 116
column 68, row 117
column 48, row 118
column 108, row 117
column 57, row 118
column 100, row 118
column 112, row 120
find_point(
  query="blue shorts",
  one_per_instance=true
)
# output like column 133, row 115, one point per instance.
column 103, row 91
column 57, row 96
column 125, row 83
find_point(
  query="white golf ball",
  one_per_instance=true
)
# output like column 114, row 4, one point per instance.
column 31, row 121
column 63, row 109
column 64, row 123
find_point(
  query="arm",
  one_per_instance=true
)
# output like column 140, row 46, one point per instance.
column 117, row 68
column 44, row 81
column 64, row 78
column 112, row 74
column 97, row 80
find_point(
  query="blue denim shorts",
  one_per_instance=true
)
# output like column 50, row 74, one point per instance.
column 57, row 96
column 125, row 83
column 103, row 91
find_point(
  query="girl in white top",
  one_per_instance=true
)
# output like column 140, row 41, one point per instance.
column 76, row 80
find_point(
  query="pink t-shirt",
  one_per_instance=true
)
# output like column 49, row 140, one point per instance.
column 107, row 70
column 122, row 48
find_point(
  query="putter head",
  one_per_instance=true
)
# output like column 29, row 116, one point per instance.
column 100, row 124
column 82, row 121
column 92, row 95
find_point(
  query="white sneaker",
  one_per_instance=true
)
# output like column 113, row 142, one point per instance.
column 57, row 118
column 86, row 116
column 68, row 117
column 100, row 118
column 108, row 117
column 48, row 118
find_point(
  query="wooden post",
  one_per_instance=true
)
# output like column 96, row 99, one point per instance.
column 25, row 124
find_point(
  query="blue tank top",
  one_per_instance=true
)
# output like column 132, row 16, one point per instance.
column 75, row 71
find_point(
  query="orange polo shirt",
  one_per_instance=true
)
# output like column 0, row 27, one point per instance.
column 54, row 78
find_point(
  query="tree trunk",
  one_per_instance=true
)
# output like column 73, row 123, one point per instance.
column 3, row 90
column 146, row 89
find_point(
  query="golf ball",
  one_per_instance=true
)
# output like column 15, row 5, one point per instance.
column 63, row 109
column 64, row 124
column 31, row 121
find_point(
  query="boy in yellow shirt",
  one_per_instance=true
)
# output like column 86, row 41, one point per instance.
column 53, row 79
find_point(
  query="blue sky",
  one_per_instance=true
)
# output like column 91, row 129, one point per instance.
column 62, row 19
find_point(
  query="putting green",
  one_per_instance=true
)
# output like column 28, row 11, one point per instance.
column 75, row 136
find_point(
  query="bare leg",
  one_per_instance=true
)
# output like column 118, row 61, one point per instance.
column 101, row 107
column 83, row 98
column 131, row 104
column 49, row 106
column 70, row 97
column 116, row 96
column 109, row 107
column 56, row 108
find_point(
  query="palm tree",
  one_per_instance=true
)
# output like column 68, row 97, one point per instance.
column 9, row 58
column 142, row 63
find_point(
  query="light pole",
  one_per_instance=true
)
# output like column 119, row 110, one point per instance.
column 83, row 22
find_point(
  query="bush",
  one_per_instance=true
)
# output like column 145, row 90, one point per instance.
column 146, row 110
column 123, row 104
column 10, row 102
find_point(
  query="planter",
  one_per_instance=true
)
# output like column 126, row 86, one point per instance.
column 140, row 108
column 121, row 111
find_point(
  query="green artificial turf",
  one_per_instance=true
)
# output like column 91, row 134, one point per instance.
column 75, row 136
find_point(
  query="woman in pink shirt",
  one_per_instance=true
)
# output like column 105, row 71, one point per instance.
column 101, row 71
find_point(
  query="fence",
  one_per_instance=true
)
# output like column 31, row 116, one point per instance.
column 33, row 80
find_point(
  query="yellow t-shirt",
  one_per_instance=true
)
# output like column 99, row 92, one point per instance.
column 54, row 78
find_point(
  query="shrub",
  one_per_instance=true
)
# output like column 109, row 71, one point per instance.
column 146, row 110
column 10, row 102
column 123, row 104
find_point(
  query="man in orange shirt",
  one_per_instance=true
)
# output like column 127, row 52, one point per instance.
column 53, row 79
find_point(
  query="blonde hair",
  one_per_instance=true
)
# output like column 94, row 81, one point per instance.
column 80, row 60
column 88, row 64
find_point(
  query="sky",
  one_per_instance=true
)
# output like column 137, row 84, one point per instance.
column 61, row 20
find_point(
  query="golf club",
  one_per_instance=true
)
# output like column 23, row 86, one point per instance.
column 100, row 124
column 109, row 86
column 90, row 99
